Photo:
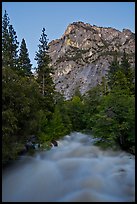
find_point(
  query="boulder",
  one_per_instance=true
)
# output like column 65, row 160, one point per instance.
column 54, row 142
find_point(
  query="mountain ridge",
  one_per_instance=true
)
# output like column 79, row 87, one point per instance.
column 81, row 57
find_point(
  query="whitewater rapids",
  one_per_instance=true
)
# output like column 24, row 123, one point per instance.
column 75, row 171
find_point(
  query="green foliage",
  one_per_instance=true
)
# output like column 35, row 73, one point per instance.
column 24, row 61
column 104, row 86
column 113, row 68
column 75, row 109
column 64, row 112
column 121, row 75
column 56, row 127
column 115, row 120
column 45, row 71
column 126, row 68
column 91, row 101
column 5, row 38
column 125, row 65
column 20, row 104
column 9, row 44
column 19, row 94
column 9, row 120
column 110, row 111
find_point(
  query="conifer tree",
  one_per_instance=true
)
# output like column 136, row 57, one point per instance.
column 5, row 39
column 113, row 68
column 45, row 71
column 126, row 68
column 13, row 48
column 104, row 86
column 125, row 65
column 9, row 44
column 24, row 61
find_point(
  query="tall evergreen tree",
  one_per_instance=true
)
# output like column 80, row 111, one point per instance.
column 9, row 44
column 126, row 68
column 5, row 39
column 125, row 65
column 45, row 71
column 113, row 68
column 104, row 86
column 24, row 61
column 121, row 74
column 13, row 52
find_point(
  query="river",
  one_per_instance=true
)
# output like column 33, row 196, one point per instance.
column 75, row 171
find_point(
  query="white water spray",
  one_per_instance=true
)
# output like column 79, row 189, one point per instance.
column 75, row 171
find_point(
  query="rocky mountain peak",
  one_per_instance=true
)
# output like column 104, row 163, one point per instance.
column 81, row 57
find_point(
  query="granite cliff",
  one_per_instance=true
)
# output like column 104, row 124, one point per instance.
column 81, row 57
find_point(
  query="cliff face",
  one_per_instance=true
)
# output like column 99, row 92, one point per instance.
column 83, row 55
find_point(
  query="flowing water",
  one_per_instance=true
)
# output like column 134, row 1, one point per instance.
column 75, row 171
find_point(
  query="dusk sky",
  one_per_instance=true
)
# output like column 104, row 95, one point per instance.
column 28, row 18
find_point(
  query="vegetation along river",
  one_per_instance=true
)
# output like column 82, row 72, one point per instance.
column 76, row 170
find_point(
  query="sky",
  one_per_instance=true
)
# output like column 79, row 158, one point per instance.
column 28, row 18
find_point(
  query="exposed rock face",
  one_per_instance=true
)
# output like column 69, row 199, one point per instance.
column 83, row 55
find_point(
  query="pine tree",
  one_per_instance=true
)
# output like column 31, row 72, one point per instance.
column 126, row 68
column 125, row 65
column 45, row 71
column 5, row 39
column 9, row 44
column 113, row 68
column 104, row 86
column 13, row 48
column 24, row 61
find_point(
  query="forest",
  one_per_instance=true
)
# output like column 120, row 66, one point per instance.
column 32, row 106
